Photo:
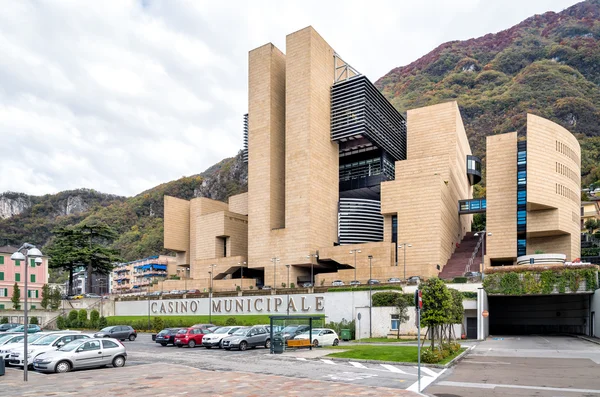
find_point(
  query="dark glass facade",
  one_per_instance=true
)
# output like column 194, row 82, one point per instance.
column 522, row 198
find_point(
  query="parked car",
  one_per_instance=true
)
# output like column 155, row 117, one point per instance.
column 31, row 328
column 337, row 283
column 95, row 296
column 354, row 282
column 82, row 354
column 215, row 338
column 7, row 326
column 79, row 296
column 321, row 337
column 290, row 331
column 372, row 281
column 155, row 293
column 473, row 276
column 266, row 287
column 42, row 345
column 6, row 349
column 394, row 280
column 414, row 280
column 307, row 285
column 190, row 336
column 166, row 336
column 247, row 337
column 193, row 291
column 120, row 332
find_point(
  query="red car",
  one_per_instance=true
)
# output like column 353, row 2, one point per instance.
column 190, row 336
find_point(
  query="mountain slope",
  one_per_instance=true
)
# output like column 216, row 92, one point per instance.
column 547, row 65
column 138, row 220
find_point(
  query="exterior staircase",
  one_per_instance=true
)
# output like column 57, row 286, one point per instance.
column 461, row 257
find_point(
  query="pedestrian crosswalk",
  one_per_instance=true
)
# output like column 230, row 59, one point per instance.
column 397, row 369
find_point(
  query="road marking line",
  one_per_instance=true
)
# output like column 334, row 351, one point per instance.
column 301, row 359
column 485, row 362
column 493, row 386
column 357, row 365
column 425, row 381
column 391, row 368
column 428, row 371
column 328, row 362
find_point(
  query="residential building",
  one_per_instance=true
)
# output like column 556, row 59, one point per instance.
column 590, row 210
column 143, row 273
column 12, row 272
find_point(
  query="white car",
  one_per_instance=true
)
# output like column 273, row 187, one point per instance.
column 214, row 339
column 42, row 345
column 7, row 348
column 321, row 337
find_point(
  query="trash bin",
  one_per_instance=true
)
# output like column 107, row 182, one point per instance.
column 278, row 344
column 1, row 366
column 346, row 334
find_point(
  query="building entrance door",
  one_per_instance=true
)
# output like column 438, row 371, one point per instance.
column 471, row 327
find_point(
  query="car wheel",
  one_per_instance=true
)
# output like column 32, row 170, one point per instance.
column 315, row 343
column 132, row 337
column 163, row 344
column 243, row 346
column 118, row 361
column 268, row 344
column 221, row 345
column 192, row 344
column 336, row 342
column 62, row 367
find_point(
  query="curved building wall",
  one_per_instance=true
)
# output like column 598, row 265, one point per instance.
column 359, row 221
column 553, row 188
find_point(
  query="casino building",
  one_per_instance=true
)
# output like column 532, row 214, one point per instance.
column 342, row 187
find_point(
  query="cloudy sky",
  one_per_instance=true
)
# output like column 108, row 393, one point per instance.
column 122, row 95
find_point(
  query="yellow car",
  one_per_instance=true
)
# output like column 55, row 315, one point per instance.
column 78, row 297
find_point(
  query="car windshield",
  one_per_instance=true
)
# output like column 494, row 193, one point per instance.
column 164, row 332
column 46, row 340
column 4, row 338
column 32, row 338
column 222, row 330
column 69, row 347
column 182, row 331
column 314, row 332
column 290, row 328
column 106, row 329
column 241, row 331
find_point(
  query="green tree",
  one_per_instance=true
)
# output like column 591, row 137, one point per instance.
column 591, row 225
column 4, row 320
column 55, row 298
column 82, row 318
column 46, row 296
column 457, row 311
column 402, row 309
column 437, row 307
column 94, row 318
column 61, row 322
column 72, row 319
column 34, row 320
column 16, row 297
column 102, row 322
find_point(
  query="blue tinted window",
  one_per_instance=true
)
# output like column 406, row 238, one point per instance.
column 522, row 158
column 483, row 204
column 522, row 177
column 474, row 205
column 521, row 217
column 522, row 197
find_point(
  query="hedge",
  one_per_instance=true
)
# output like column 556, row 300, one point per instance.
column 548, row 281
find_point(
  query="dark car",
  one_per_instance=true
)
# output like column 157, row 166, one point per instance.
column 166, row 336
column 413, row 280
column 120, row 332
column 373, row 281
column 291, row 331
column 7, row 326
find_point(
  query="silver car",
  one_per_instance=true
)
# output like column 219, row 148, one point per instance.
column 88, row 353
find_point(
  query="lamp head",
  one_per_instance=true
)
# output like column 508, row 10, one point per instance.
column 17, row 256
column 38, row 261
column 34, row 252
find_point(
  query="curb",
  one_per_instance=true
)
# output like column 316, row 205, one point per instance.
column 456, row 359
column 588, row 339
column 359, row 360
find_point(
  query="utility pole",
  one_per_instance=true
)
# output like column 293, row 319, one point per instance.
column 370, row 297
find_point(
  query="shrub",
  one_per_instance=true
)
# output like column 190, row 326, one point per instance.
column 72, row 319
column 338, row 327
column 282, row 285
column 238, row 288
column 158, row 324
column 82, row 318
column 459, row 280
column 252, row 287
column 94, row 317
column 4, row 320
column 34, row 320
column 230, row 321
column 292, row 285
column 431, row 356
column 102, row 322
column 61, row 322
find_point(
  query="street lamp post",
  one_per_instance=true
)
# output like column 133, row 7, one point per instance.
column 482, row 249
column 36, row 254
column 210, row 292
column 288, row 294
column 275, row 260
column 242, row 264
column 312, row 277
column 404, row 245
column 355, row 252
column 370, row 297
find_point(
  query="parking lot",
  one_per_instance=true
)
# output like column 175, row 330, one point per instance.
column 148, row 357
column 524, row 366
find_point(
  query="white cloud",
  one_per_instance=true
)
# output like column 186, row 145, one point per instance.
column 121, row 95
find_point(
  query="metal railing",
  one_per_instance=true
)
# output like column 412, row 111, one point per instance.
column 474, row 254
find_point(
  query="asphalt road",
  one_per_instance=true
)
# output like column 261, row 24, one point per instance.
column 543, row 366
column 304, row 364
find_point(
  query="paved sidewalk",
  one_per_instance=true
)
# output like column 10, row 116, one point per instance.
column 171, row 380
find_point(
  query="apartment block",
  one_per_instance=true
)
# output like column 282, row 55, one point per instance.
column 12, row 272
